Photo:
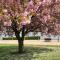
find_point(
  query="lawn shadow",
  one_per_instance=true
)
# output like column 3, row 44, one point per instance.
column 30, row 52
column 16, row 52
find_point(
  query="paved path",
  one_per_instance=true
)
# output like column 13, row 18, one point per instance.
column 32, row 42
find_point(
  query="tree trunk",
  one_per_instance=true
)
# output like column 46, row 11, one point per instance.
column 20, row 39
column 17, row 34
column 20, row 42
column 20, row 45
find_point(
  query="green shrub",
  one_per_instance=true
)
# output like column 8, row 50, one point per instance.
column 32, row 38
column 26, row 38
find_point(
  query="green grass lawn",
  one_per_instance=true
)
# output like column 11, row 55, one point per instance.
column 9, row 52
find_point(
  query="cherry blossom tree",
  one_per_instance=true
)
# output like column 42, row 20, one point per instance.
column 36, row 15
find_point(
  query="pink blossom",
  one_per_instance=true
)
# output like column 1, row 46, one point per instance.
column 30, row 6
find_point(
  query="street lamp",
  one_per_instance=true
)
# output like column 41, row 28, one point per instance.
column 23, row 23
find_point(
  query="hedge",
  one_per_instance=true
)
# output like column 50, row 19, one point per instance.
column 26, row 38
